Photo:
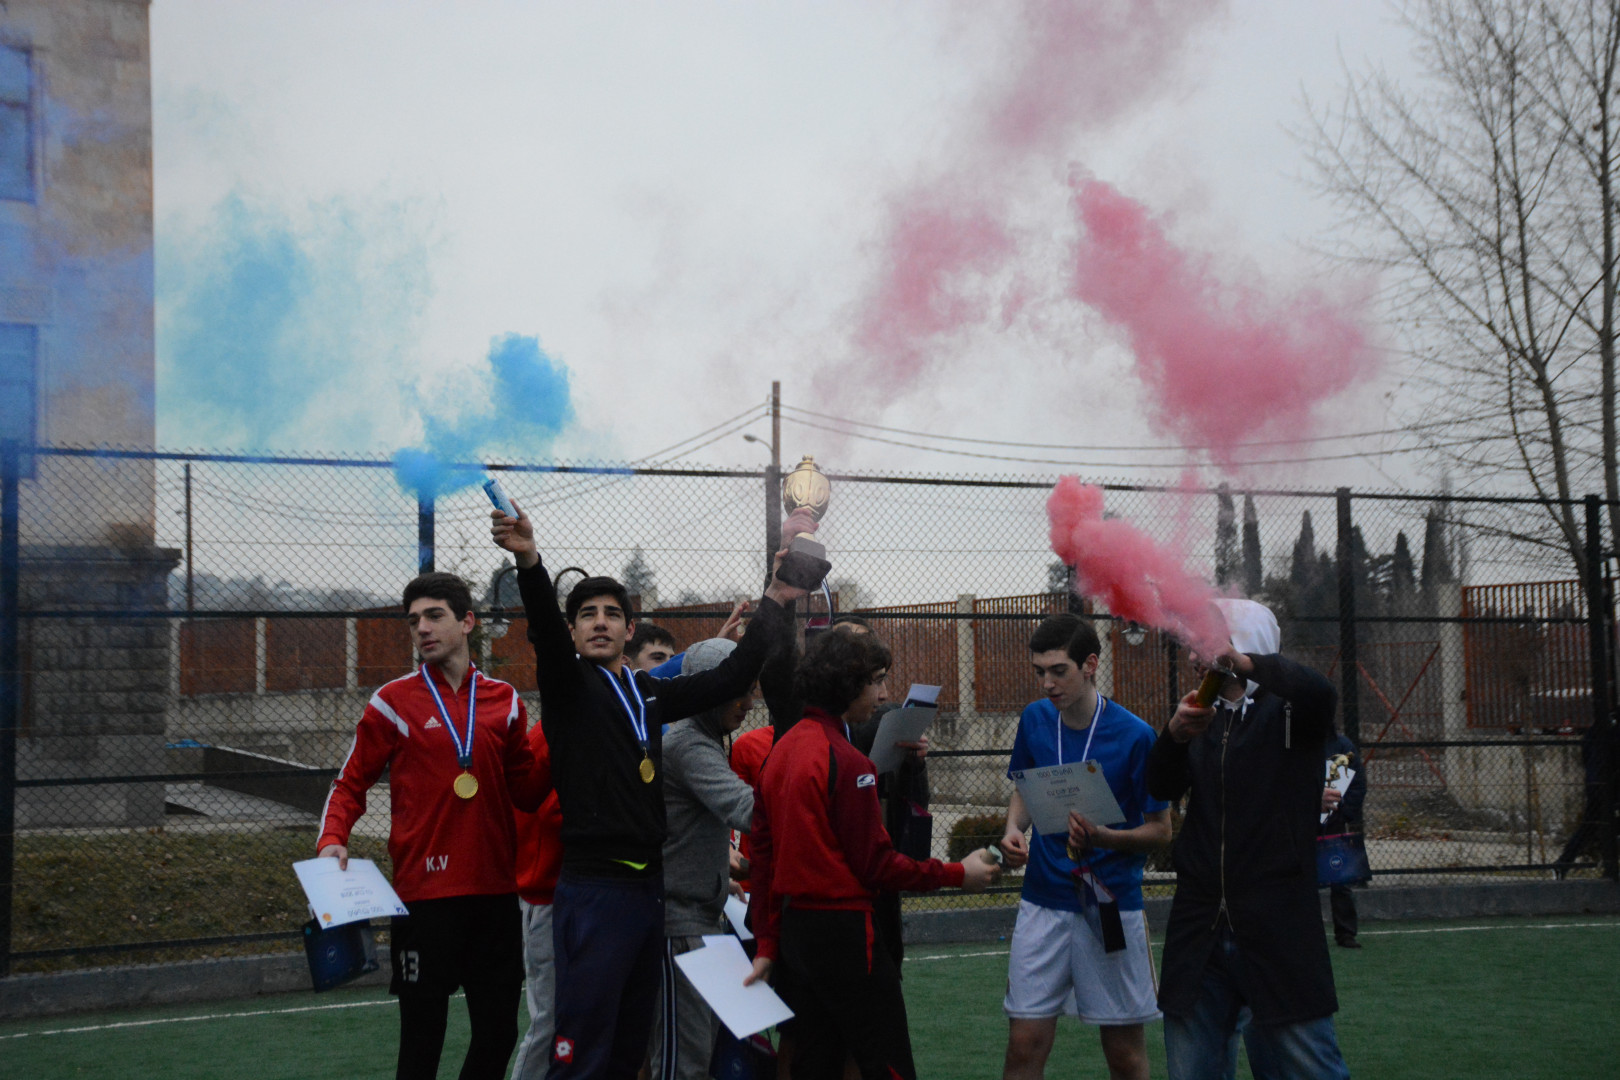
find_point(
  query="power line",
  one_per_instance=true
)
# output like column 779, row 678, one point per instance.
column 1407, row 430
column 1362, row 454
column 757, row 409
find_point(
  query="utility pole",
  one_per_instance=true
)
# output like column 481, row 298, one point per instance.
column 773, row 482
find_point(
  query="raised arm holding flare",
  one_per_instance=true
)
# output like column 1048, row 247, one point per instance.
column 603, row 723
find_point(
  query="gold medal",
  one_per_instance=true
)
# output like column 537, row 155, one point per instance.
column 466, row 785
column 647, row 771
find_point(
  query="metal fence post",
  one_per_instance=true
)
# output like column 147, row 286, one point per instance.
column 1597, row 632
column 773, row 515
column 1172, row 661
column 424, row 534
column 1349, row 663
column 10, row 684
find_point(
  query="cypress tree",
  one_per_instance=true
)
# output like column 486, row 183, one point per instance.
column 1252, row 574
column 1226, row 537
column 1302, row 571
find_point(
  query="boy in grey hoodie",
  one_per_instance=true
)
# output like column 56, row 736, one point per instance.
column 703, row 801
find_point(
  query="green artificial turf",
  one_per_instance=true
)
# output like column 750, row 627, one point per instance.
column 1519, row 1001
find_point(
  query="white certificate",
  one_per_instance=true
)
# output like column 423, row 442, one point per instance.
column 717, row 972
column 922, row 694
column 899, row 725
column 345, row 896
column 1051, row 792
column 737, row 916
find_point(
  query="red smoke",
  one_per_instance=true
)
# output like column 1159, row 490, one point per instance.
column 932, row 246
column 1070, row 66
column 1081, row 64
column 1137, row 579
column 1223, row 364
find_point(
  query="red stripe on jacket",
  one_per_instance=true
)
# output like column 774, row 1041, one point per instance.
column 818, row 839
column 442, row 845
column 539, row 835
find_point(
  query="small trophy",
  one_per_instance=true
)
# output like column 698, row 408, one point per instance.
column 805, row 490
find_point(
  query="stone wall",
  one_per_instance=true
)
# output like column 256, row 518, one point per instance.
column 96, row 687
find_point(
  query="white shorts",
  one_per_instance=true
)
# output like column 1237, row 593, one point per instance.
column 1058, row 966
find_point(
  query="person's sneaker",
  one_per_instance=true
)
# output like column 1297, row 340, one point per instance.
column 1347, row 943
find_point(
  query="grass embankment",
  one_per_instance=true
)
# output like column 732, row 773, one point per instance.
column 86, row 889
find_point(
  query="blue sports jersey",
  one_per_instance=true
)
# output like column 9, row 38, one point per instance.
column 1120, row 746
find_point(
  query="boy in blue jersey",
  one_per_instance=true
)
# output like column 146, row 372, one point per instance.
column 1060, row 961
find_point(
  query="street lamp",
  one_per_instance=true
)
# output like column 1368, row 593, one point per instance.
column 498, row 622
column 1134, row 633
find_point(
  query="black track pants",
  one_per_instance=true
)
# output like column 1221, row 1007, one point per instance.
column 492, row 1016
column 844, row 990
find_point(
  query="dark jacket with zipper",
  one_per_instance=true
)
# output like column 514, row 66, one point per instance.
column 613, row 823
column 1246, row 853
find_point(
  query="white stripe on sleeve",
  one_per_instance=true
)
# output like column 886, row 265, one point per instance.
column 387, row 710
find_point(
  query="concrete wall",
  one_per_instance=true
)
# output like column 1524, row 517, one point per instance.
column 81, row 265
column 76, row 265
column 97, row 687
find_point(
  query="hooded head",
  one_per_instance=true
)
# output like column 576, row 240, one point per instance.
column 704, row 656
column 1252, row 628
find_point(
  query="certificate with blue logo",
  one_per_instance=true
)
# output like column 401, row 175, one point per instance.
column 1050, row 792
column 345, row 896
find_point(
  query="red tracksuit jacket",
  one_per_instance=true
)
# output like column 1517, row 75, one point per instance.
column 442, row 845
column 818, row 839
column 539, row 835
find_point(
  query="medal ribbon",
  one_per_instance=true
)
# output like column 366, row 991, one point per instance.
column 638, row 715
column 1085, row 755
column 463, row 748
column 1092, row 891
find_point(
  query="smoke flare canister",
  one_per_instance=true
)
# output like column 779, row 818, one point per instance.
column 1214, row 679
column 497, row 496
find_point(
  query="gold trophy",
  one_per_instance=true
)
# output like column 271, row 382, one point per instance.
column 805, row 490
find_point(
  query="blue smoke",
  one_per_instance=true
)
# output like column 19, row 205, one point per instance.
column 530, row 404
column 276, row 337
column 231, row 372
column 281, row 336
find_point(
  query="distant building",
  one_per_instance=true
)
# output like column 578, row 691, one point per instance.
column 77, row 369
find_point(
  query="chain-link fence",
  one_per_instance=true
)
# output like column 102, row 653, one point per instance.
column 188, row 640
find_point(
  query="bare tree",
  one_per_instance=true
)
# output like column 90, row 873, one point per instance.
column 1486, row 199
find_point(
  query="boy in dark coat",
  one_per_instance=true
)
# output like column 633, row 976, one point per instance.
column 1245, row 925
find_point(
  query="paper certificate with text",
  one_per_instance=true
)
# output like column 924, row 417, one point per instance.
column 1049, row 794
column 345, row 896
column 717, row 972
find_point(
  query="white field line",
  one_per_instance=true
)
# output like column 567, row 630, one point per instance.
column 1612, row 924
column 199, row 1018
column 1505, row 926
column 954, row 956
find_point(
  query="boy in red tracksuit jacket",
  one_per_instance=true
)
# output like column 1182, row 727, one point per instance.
column 820, row 855
column 453, row 740
column 539, row 860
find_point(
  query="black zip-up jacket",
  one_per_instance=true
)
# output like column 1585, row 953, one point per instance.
column 610, row 817
column 1246, row 853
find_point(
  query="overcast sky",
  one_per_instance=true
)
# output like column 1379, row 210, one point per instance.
column 685, row 200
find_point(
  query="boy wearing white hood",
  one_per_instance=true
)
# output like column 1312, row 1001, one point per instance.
column 1245, row 925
